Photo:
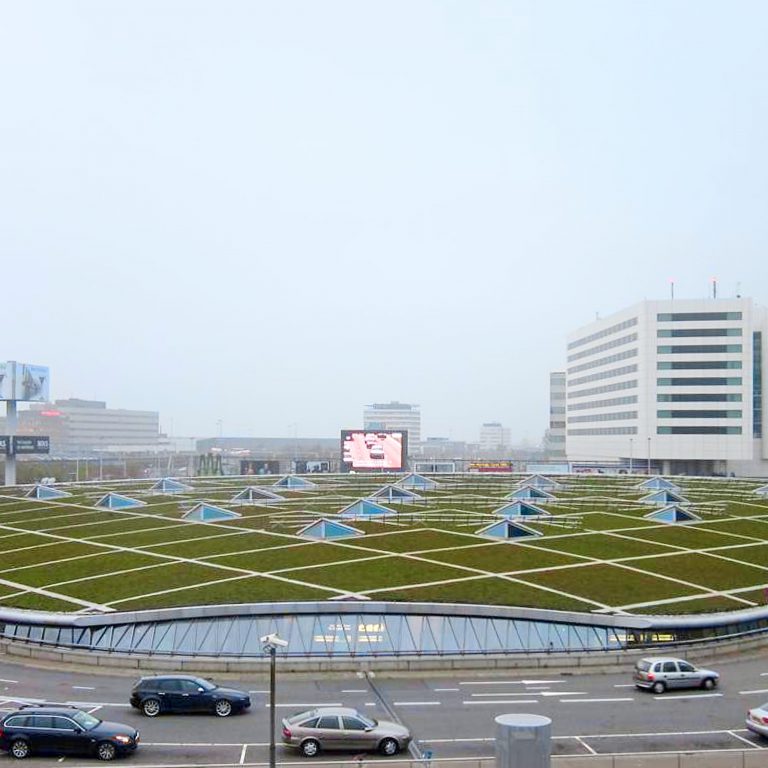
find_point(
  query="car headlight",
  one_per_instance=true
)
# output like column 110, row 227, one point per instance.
column 123, row 739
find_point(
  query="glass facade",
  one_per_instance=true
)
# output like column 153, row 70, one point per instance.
column 757, row 384
column 605, row 332
column 666, row 317
column 352, row 634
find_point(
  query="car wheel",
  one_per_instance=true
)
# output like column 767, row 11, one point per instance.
column 106, row 750
column 151, row 707
column 658, row 687
column 708, row 683
column 310, row 748
column 223, row 708
column 389, row 747
column 20, row 749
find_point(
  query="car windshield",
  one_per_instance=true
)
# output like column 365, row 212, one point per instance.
column 302, row 716
column 86, row 721
column 369, row 722
column 204, row 684
column 643, row 666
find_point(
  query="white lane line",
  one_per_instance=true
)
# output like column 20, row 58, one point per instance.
column 688, row 696
column 311, row 706
column 83, row 688
column 503, row 701
column 242, row 753
column 624, row 685
column 565, row 693
column 354, row 690
column 746, row 741
column 93, row 709
column 446, row 690
column 538, row 688
column 4, row 680
column 258, row 691
column 591, row 701
column 506, row 693
column 510, row 682
column 586, row 746
column 416, row 703
column 370, row 703
column 759, row 690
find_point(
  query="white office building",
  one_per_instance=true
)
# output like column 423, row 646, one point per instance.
column 554, row 437
column 494, row 437
column 673, row 385
column 395, row 415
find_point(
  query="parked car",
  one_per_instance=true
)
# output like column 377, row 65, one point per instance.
column 757, row 720
column 342, row 728
column 64, row 730
column 184, row 693
column 659, row 674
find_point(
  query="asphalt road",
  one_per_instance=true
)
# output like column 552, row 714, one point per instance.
column 451, row 716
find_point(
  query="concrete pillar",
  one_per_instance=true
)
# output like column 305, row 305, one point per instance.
column 523, row 741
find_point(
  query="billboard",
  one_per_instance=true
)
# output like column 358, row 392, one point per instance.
column 491, row 466
column 366, row 450
column 22, row 381
column 250, row 467
column 302, row 467
column 31, row 444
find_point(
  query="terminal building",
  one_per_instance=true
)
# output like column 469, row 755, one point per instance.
column 673, row 386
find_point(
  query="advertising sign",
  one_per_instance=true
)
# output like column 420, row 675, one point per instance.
column 373, row 450
column 259, row 467
column 491, row 466
column 5, row 442
column 31, row 444
column 301, row 467
column 22, row 381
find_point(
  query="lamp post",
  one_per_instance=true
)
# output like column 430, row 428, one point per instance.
column 270, row 644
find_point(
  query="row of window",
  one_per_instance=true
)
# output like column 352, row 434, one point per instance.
column 602, row 347
column 626, row 400
column 701, row 381
column 605, row 332
column 603, row 361
column 604, row 431
column 612, row 416
column 757, row 384
column 701, row 397
column 666, row 333
column 674, row 317
column 699, row 414
column 604, row 388
column 698, row 349
column 622, row 371
column 698, row 430
column 690, row 365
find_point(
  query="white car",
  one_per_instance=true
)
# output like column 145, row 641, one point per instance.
column 757, row 720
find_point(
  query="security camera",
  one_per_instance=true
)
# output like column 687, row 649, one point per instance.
column 273, row 641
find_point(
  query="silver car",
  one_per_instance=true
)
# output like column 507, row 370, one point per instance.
column 342, row 728
column 659, row 673
column 757, row 720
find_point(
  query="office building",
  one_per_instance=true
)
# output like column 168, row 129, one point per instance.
column 672, row 386
column 494, row 438
column 394, row 415
column 554, row 437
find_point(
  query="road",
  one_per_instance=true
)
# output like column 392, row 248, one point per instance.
column 451, row 716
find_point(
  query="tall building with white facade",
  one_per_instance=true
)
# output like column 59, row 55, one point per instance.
column 394, row 415
column 554, row 437
column 677, row 384
column 493, row 437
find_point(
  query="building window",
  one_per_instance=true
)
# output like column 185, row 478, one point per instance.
column 665, row 333
column 698, row 430
column 690, row 365
column 701, row 397
column 613, row 416
column 602, row 347
column 605, row 388
column 611, row 401
column 701, row 381
column 604, row 375
column 674, row 317
column 604, row 431
column 699, row 349
column 602, row 334
column 603, row 361
column 757, row 384
column 699, row 414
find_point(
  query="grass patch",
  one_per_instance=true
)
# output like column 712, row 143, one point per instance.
column 699, row 605
column 292, row 557
column 711, row 572
column 47, row 550
column 598, row 545
column 34, row 602
column 501, row 558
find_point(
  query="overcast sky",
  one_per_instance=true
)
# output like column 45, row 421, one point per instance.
column 273, row 213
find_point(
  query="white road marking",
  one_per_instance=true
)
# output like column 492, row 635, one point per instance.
column 416, row 703
column 625, row 685
column 746, row 741
column 3, row 680
column 83, row 688
column 451, row 741
column 370, row 703
column 354, row 690
column 510, row 682
column 586, row 746
column 591, row 701
column 258, row 691
column 564, row 693
column 93, row 709
column 688, row 696
column 242, row 753
column 441, row 690
column 759, row 690
column 311, row 706
column 503, row 701
column 506, row 693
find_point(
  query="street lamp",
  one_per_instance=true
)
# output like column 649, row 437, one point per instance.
column 270, row 644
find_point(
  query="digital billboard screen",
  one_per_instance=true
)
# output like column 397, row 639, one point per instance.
column 380, row 449
column 250, row 467
column 21, row 381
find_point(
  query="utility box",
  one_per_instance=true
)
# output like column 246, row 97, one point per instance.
column 523, row 741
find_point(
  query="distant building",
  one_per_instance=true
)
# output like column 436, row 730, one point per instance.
column 79, row 427
column 395, row 415
column 493, row 437
column 272, row 447
column 673, row 386
column 554, row 437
